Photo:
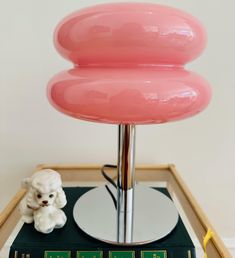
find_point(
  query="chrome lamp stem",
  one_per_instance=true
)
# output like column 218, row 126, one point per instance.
column 125, row 183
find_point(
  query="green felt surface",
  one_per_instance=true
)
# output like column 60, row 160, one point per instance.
column 71, row 238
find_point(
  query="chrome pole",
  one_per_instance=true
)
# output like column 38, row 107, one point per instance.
column 125, row 183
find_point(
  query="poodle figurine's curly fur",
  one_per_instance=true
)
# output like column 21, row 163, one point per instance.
column 43, row 201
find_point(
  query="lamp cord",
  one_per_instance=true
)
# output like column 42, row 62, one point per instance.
column 111, row 181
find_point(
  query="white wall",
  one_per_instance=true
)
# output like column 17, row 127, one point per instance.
column 32, row 132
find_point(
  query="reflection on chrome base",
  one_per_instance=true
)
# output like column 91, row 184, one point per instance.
column 155, row 215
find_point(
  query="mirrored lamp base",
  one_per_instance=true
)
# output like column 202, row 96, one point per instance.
column 155, row 215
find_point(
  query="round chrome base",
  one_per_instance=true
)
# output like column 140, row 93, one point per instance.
column 155, row 215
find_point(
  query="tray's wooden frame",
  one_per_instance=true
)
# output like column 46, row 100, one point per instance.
column 166, row 173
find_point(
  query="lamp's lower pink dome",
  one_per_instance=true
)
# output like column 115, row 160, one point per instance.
column 129, row 95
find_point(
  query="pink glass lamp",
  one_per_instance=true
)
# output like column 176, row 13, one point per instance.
column 129, row 70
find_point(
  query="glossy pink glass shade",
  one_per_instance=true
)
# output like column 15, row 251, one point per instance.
column 128, row 64
column 130, row 34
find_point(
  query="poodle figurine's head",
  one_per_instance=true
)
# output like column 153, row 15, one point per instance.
column 45, row 189
column 45, row 199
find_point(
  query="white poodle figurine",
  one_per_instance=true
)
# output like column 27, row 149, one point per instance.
column 43, row 201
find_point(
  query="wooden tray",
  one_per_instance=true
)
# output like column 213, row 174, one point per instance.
column 158, row 173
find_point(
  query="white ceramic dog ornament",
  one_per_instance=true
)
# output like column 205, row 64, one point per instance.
column 43, row 201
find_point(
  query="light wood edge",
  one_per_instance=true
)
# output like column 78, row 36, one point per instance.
column 202, row 218
column 10, row 217
column 11, row 206
column 84, row 173
column 98, row 166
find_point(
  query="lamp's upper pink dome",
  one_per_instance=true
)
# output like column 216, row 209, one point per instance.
column 129, row 61
column 121, row 34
